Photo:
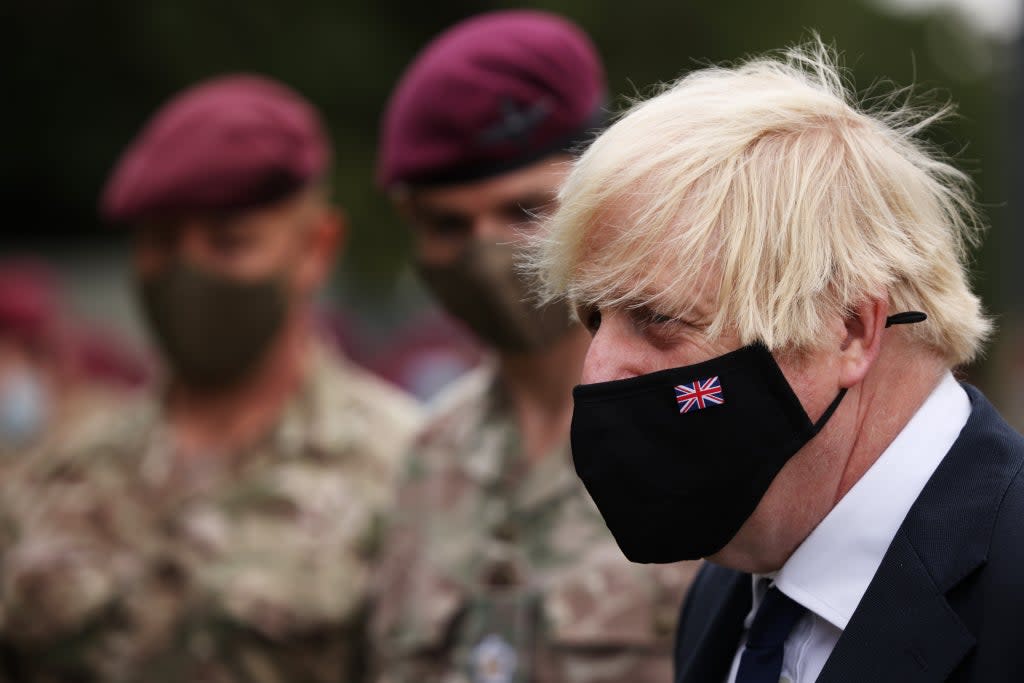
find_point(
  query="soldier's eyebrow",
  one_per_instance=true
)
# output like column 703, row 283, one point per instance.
column 425, row 211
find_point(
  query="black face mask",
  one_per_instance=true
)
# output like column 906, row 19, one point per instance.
column 677, row 460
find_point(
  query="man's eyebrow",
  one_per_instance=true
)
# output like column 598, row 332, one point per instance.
column 435, row 212
column 662, row 303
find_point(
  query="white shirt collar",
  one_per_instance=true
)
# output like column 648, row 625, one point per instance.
column 830, row 571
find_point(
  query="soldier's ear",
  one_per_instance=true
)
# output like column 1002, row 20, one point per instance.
column 326, row 239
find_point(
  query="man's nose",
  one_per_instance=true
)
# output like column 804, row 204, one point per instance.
column 193, row 242
column 608, row 354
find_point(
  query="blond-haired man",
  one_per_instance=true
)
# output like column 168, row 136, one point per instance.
column 745, row 249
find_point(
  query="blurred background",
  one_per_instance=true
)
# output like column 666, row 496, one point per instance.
column 80, row 78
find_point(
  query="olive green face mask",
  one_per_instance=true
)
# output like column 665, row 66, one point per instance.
column 483, row 289
column 212, row 329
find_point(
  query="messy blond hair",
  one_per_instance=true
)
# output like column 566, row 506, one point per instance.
column 768, row 183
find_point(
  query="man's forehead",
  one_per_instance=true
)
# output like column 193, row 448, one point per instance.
column 283, row 211
column 539, row 180
column 661, row 289
column 655, row 280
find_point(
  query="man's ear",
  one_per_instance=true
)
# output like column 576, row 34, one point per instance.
column 327, row 235
column 864, row 326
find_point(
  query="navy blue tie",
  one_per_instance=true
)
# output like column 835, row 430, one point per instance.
column 762, row 658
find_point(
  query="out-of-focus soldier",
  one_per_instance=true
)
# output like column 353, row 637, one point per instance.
column 47, row 384
column 225, row 529
column 34, row 367
column 498, row 568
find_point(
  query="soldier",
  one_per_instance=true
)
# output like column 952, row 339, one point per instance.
column 33, row 361
column 225, row 529
column 498, row 568
column 50, row 379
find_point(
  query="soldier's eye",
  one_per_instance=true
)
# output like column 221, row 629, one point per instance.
column 518, row 214
column 230, row 240
column 528, row 210
column 158, row 235
column 448, row 226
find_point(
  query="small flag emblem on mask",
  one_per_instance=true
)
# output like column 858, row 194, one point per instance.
column 699, row 395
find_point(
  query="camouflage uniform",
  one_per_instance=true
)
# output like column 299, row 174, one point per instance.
column 499, row 572
column 121, row 563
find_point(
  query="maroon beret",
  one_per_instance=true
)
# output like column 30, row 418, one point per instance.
column 29, row 296
column 493, row 93
column 232, row 142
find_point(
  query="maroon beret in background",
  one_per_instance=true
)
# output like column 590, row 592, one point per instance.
column 29, row 301
column 493, row 93
column 233, row 142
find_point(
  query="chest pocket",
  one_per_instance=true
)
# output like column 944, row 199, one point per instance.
column 605, row 605
column 268, row 560
column 607, row 621
column 423, row 618
column 610, row 620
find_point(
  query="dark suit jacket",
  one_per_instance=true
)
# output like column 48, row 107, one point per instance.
column 947, row 602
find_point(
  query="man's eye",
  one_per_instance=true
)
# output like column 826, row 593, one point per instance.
column 659, row 319
column 644, row 318
column 447, row 226
column 591, row 319
column 527, row 211
column 158, row 235
column 518, row 214
column 228, row 241
column 525, row 214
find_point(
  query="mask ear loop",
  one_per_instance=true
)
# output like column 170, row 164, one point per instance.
column 905, row 318
column 828, row 412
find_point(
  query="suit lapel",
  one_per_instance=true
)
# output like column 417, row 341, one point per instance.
column 904, row 629
column 713, row 655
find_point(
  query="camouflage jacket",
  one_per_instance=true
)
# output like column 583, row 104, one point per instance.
column 494, row 572
column 116, row 567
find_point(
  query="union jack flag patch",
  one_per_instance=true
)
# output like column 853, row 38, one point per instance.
column 699, row 395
